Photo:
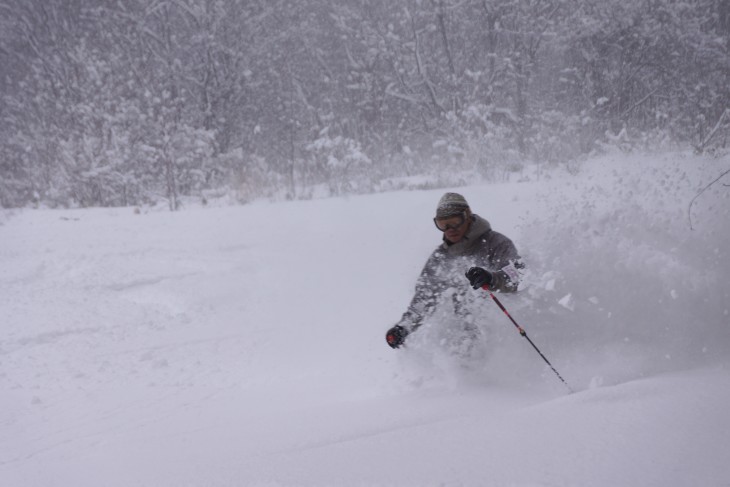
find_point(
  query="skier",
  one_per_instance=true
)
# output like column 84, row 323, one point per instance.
column 468, row 243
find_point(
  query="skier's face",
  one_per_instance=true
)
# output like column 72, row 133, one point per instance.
column 454, row 227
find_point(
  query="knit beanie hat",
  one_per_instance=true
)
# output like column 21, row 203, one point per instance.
column 451, row 204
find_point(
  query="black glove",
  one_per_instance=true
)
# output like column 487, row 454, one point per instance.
column 479, row 277
column 396, row 336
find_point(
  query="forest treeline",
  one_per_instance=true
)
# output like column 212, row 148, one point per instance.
column 109, row 102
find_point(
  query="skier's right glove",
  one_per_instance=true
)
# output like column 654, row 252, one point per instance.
column 479, row 277
column 396, row 336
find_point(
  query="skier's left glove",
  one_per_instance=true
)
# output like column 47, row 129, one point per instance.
column 479, row 277
column 396, row 336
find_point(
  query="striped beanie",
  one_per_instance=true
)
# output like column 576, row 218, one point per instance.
column 451, row 204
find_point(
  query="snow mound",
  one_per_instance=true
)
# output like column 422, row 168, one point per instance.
column 230, row 346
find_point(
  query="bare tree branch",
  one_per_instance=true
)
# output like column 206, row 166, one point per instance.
column 689, row 209
column 701, row 146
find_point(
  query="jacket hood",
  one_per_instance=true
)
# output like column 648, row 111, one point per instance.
column 479, row 226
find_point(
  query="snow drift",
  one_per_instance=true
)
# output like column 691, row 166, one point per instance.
column 238, row 346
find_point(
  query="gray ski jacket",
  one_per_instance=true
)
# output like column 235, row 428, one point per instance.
column 445, row 268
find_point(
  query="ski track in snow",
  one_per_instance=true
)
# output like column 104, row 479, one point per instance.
column 244, row 346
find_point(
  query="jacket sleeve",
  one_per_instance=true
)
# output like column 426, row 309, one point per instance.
column 505, row 263
column 428, row 289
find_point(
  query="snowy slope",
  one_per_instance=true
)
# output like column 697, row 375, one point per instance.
column 239, row 346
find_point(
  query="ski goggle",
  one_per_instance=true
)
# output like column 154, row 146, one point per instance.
column 450, row 223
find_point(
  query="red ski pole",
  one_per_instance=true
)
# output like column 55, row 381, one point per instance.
column 524, row 333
